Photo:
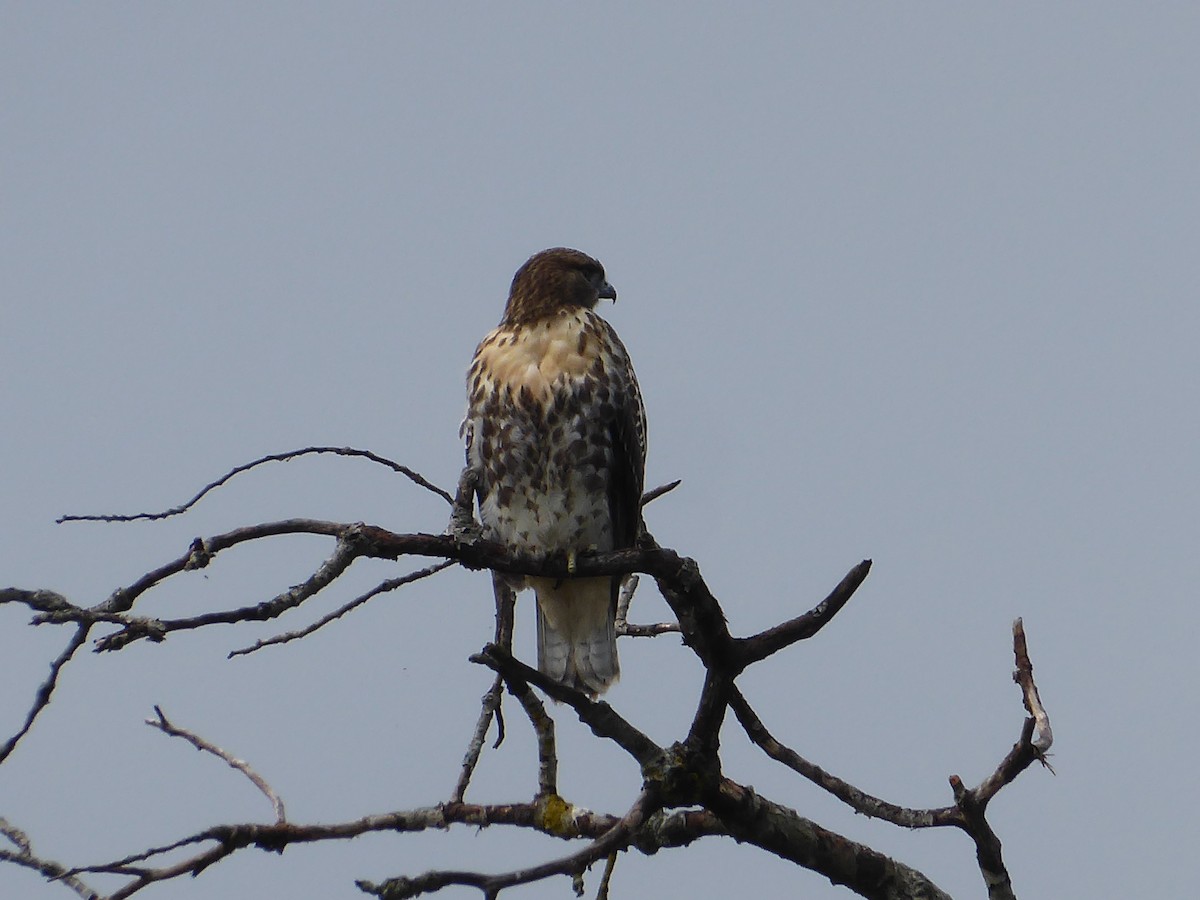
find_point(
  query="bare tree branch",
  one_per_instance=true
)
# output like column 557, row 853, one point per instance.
column 166, row 727
column 543, row 727
column 621, row 624
column 762, row 645
column 1033, row 703
column 685, row 794
column 609, row 865
column 599, row 716
column 1026, row 750
column 624, row 600
column 359, row 540
column 157, row 629
column 228, row 839
column 506, row 603
column 614, row 839
column 490, row 708
column 972, row 804
column 987, row 845
column 415, row 477
column 199, row 554
column 652, row 495
column 45, row 690
column 788, row 835
column 25, row 857
column 700, row 617
column 858, row 800
column 384, row 587
column 650, row 630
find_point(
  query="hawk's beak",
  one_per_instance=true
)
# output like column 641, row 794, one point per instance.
column 608, row 292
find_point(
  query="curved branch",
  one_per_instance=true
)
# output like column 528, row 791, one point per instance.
column 490, row 708
column 1029, row 692
column 167, row 727
column 683, row 776
column 987, row 846
column 603, row 720
column 229, row 839
column 763, row 644
column 543, row 728
column 621, row 624
column 45, row 690
column 972, row 804
column 413, row 476
column 858, row 800
column 616, row 838
column 383, row 587
column 506, row 605
column 25, row 857
column 788, row 835
column 157, row 629
column 700, row 617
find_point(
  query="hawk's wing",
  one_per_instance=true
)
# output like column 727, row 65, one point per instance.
column 628, row 443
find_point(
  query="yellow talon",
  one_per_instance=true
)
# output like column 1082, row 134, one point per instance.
column 570, row 562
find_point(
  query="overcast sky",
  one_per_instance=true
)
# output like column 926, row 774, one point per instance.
column 911, row 282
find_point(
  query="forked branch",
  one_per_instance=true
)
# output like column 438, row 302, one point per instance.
column 685, row 793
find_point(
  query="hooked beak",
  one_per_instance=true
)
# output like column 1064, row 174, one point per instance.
column 608, row 292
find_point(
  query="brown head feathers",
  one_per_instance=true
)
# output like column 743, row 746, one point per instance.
column 553, row 280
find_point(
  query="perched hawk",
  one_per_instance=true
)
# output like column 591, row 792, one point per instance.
column 556, row 431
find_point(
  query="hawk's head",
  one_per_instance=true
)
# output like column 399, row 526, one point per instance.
column 552, row 280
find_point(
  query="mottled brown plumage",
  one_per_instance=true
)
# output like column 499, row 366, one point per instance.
column 556, row 431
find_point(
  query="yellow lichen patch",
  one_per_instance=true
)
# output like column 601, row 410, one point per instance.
column 557, row 816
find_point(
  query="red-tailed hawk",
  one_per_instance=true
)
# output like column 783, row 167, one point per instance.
column 556, row 431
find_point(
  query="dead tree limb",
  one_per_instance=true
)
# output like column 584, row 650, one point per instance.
column 685, row 793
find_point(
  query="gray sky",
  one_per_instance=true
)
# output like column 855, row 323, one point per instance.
column 908, row 282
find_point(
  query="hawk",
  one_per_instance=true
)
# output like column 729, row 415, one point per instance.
column 556, row 432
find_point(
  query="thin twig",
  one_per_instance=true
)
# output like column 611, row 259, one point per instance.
column 416, row 477
column 602, row 719
column 686, row 775
column 24, row 856
column 763, row 644
column 382, row 588
column 228, row 839
column 543, row 727
column 573, row 865
column 379, row 543
column 136, row 628
column 652, row 495
column 609, row 865
column 653, row 630
column 199, row 554
column 166, row 727
column 46, row 689
column 490, row 703
column 858, row 800
column 628, row 587
column 621, row 623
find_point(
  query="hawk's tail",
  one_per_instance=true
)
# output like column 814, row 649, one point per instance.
column 576, row 631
